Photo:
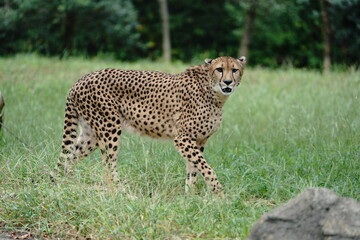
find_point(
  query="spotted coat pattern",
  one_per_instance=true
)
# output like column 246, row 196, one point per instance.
column 186, row 108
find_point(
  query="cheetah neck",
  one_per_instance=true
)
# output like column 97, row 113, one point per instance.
column 200, row 72
column 219, row 99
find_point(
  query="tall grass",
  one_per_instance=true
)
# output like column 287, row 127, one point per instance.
column 283, row 131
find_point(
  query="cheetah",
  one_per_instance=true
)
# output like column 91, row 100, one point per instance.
column 186, row 108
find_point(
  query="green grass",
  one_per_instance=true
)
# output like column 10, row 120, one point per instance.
column 283, row 131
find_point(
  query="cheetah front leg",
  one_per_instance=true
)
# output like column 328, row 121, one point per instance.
column 191, row 171
column 190, row 150
column 191, row 176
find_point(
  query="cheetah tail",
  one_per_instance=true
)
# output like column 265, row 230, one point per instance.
column 70, row 127
column 69, row 138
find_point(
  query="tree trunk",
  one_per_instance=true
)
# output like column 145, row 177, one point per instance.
column 69, row 23
column 249, row 22
column 166, row 44
column 326, row 35
column 6, row 5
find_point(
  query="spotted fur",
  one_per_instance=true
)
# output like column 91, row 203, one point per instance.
column 186, row 108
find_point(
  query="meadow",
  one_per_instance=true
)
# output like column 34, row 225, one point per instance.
column 283, row 131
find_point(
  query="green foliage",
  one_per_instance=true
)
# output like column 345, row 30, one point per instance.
column 196, row 24
column 346, row 31
column 285, row 32
column 282, row 131
column 70, row 27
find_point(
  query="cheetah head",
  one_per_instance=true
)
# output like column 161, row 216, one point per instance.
column 225, row 73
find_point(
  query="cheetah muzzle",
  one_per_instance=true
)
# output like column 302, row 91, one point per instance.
column 186, row 108
column 226, row 90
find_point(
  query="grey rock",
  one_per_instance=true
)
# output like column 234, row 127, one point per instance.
column 315, row 214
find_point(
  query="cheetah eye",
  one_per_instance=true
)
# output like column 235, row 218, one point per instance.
column 235, row 70
column 219, row 70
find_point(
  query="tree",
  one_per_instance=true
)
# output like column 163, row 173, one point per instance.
column 345, row 32
column 271, row 33
column 326, row 35
column 166, row 43
column 66, row 27
column 249, row 22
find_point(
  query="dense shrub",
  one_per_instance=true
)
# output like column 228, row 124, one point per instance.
column 70, row 27
column 285, row 32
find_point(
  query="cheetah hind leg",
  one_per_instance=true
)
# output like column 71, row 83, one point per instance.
column 108, row 137
column 72, row 152
column 109, row 140
column 86, row 142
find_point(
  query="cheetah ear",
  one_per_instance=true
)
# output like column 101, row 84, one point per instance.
column 242, row 59
column 208, row 61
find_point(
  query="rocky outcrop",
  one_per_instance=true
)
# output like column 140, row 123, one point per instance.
column 315, row 214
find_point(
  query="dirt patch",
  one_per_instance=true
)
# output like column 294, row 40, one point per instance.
column 15, row 235
column 5, row 236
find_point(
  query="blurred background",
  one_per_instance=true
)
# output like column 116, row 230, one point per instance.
column 287, row 128
column 316, row 34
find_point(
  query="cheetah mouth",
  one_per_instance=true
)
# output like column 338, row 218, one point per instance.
column 226, row 90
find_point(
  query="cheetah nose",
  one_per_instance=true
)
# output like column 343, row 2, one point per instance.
column 227, row 82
